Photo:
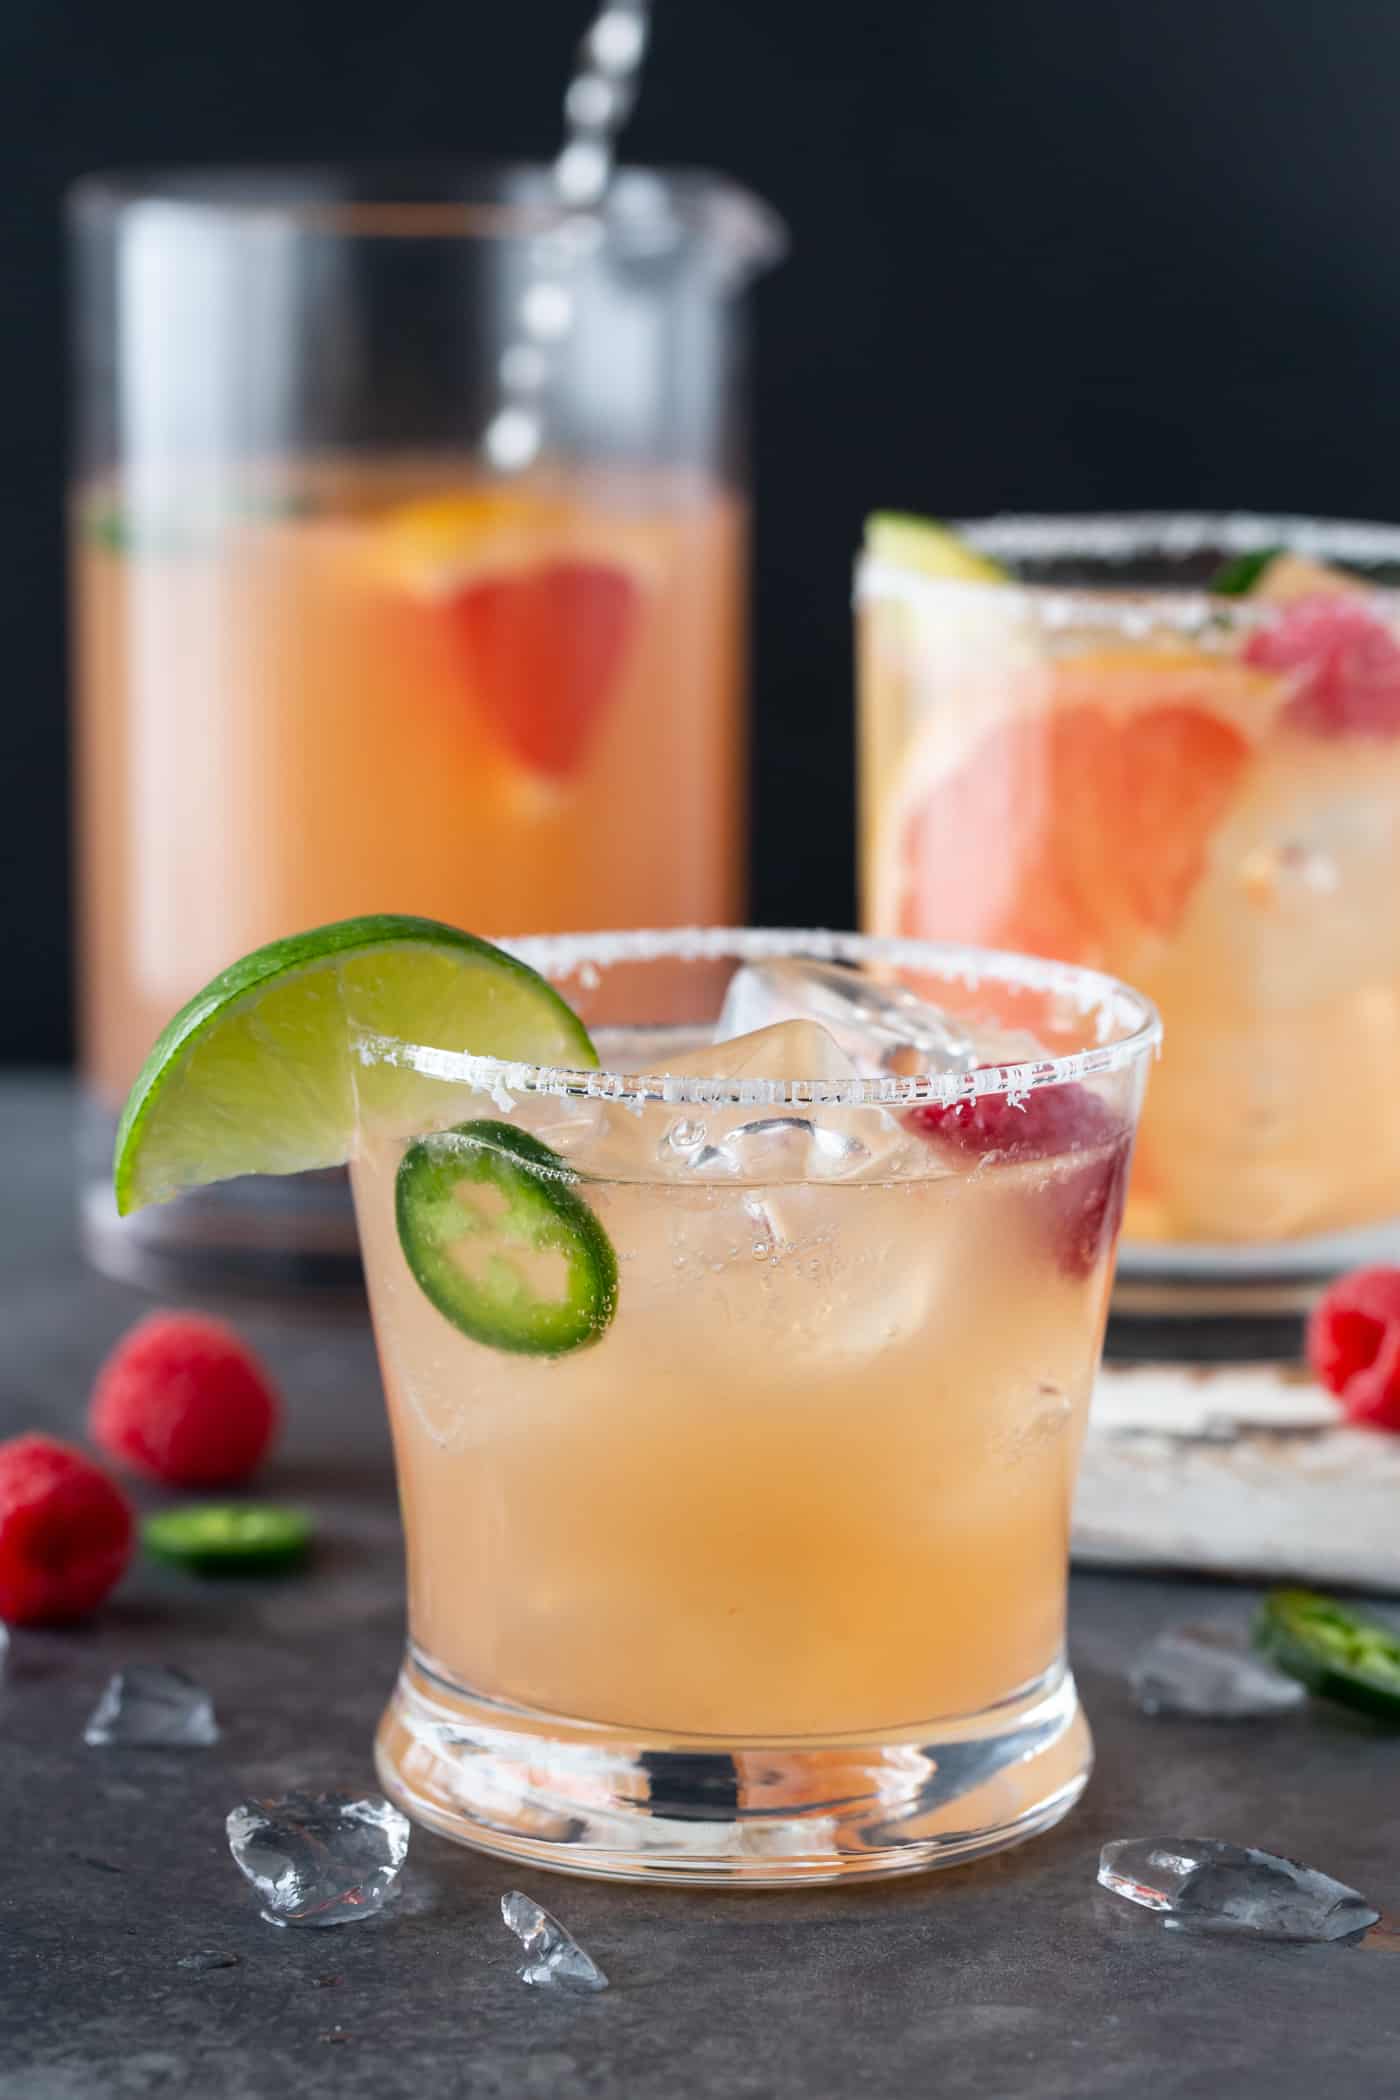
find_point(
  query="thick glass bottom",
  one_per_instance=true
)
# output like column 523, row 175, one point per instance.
column 584, row 1798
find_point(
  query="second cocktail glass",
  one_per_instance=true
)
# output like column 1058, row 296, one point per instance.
column 1102, row 758
column 766, row 1582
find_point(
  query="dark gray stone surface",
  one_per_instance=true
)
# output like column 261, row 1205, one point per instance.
column 1014, row 1977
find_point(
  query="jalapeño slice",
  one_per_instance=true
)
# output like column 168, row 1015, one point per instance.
column 229, row 1538
column 1337, row 1653
column 498, row 1238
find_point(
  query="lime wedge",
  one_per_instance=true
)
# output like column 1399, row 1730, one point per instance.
column 928, row 548
column 261, row 1072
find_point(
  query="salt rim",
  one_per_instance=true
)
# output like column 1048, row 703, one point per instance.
column 1110, row 1005
column 1127, row 536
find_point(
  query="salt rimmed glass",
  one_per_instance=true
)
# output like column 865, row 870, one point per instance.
column 1106, row 760
column 768, row 1582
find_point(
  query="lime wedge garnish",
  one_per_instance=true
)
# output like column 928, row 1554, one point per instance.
column 261, row 1073
column 498, row 1239
column 928, row 548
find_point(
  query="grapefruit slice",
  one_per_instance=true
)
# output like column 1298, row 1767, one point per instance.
column 538, row 602
column 1074, row 828
column 542, row 650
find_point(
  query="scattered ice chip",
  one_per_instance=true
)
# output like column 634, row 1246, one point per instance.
column 207, row 1958
column 554, row 1959
column 319, row 1859
column 149, row 1706
column 1211, row 1672
column 4, row 1646
column 882, row 1028
column 1207, row 1885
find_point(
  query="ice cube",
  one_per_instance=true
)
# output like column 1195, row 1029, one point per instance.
column 1209, row 1671
column 882, row 1028
column 782, row 1148
column 788, row 1049
column 319, row 1859
column 1206, row 1885
column 150, row 1706
column 554, row 1959
column 773, row 1144
column 786, row 1144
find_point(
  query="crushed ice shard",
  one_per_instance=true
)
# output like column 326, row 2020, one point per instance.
column 1206, row 1885
column 1211, row 1672
column 149, row 1706
column 554, row 1959
column 884, row 1028
column 319, row 1859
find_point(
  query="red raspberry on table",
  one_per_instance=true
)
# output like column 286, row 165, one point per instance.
column 1354, row 1345
column 1346, row 666
column 1084, row 1204
column 65, row 1532
column 183, row 1399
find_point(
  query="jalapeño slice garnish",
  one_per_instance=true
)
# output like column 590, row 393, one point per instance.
column 497, row 1236
column 1337, row 1653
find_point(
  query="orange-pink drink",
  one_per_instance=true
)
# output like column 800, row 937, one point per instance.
column 323, row 690
column 1102, row 760
column 811, row 1486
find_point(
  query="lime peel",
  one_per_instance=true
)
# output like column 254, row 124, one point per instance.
column 927, row 548
column 258, row 1073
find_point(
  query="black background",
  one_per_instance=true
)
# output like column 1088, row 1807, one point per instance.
column 1046, row 253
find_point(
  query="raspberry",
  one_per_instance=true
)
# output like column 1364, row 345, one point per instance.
column 1084, row 1205
column 1346, row 666
column 65, row 1532
column 183, row 1399
column 1354, row 1345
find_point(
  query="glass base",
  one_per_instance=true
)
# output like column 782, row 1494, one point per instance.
column 588, row 1799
